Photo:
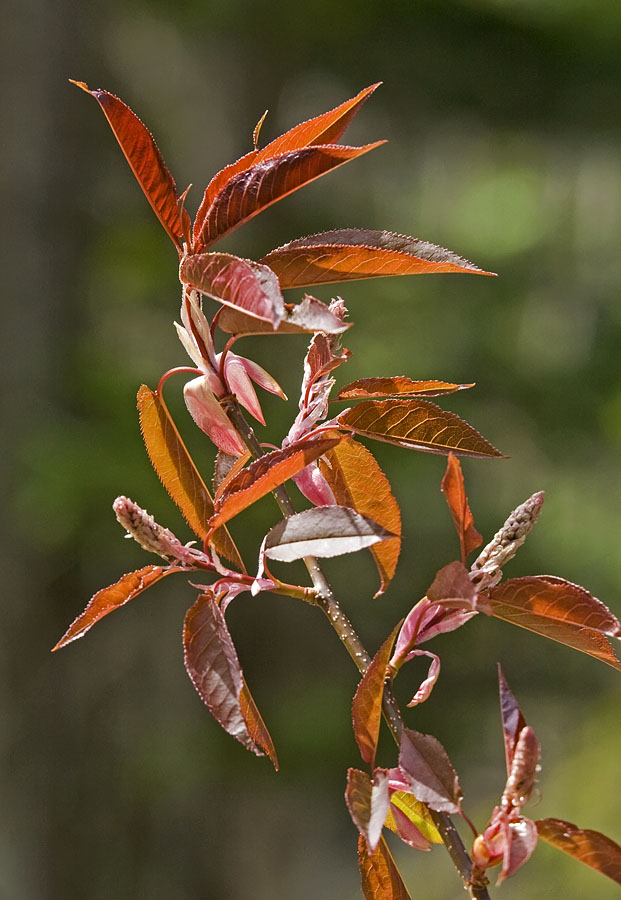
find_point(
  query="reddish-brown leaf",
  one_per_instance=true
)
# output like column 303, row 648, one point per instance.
column 349, row 254
column 110, row 598
column 172, row 462
column 368, row 803
column 212, row 664
column 357, row 481
column 381, row 879
column 367, row 705
column 589, row 847
column 257, row 729
column 239, row 283
column 146, row 163
column 455, row 492
column 425, row 763
column 302, row 318
column 397, row 385
column 266, row 473
column 251, row 191
column 418, row 425
column 556, row 609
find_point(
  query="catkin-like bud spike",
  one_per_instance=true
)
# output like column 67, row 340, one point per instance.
column 145, row 530
column 507, row 541
column 523, row 775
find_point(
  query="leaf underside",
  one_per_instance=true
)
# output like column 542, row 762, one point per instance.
column 397, row 386
column 424, row 761
column 589, row 847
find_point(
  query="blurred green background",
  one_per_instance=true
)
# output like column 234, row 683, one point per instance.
column 504, row 120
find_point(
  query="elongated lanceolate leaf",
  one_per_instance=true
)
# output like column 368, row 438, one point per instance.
column 146, row 163
column 240, row 283
column 110, row 598
column 417, row 425
column 367, row 801
column 357, row 481
column 512, row 719
column 367, row 705
column 350, row 254
column 397, row 386
column 172, row 462
column 425, row 764
column 323, row 531
column 556, row 609
column 381, row 879
column 266, row 473
column 455, row 492
column 212, row 664
column 589, row 847
column 257, row 729
column 253, row 190
column 306, row 317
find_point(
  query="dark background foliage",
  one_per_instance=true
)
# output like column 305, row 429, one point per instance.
column 504, row 121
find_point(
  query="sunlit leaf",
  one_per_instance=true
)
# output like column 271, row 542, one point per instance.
column 251, row 191
column 323, row 531
column 266, row 473
column 556, row 609
column 381, row 879
column 357, row 481
column 212, row 664
column 172, row 462
column 146, row 163
column 349, row 254
column 397, row 386
column 425, row 763
column 367, row 801
column 589, row 847
column 367, row 704
column 455, row 492
column 302, row 318
column 512, row 719
column 418, row 425
column 111, row 598
column 239, row 283
column 257, row 729
column 417, row 813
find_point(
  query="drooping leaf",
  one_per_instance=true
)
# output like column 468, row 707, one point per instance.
column 367, row 801
column 239, row 283
column 357, row 481
column 257, row 729
column 512, row 719
column 589, row 847
column 455, row 492
column 426, row 686
column 381, row 879
column 556, row 609
column 367, row 704
column 110, row 598
column 425, row 763
column 212, row 664
column 172, row 462
column 251, row 191
column 350, row 254
column 302, row 318
column 146, row 163
column 397, row 386
column 323, row 531
column 418, row 425
column 266, row 473
column 417, row 813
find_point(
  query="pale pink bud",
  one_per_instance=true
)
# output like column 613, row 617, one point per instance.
column 207, row 413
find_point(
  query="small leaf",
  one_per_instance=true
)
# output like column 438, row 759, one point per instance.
column 452, row 582
column 177, row 472
column 418, row 425
column 306, row 317
column 146, row 163
column 512, row 719
column 349, row 254
column 212, row 664
column 367, row 801
column 556, row 609
column 381, row 879
column 455, row 492
column 418, row 814
column 357, row 481
column 367, row 704
column 257, row 729
column 426, row 766
column 239, row 283
column 111, row 598
column 589, row 847
column 521, row 842
column 323, row 531
column 266, row 473
column 397, row 386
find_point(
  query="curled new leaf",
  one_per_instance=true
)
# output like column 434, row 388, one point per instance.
column 111, row 598
column 455, row 492
column 418, row 425
column 426, row 766
column 322, row 531
column 381, row 879
column 367, row 704
column 349, row 254
column 589, row 847
column 306, row 317
column 368, row 802
column 512, row 719
column 397, row 386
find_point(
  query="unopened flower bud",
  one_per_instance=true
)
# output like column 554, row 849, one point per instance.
column 145, row 530
column 523, row 775
column 506, row 542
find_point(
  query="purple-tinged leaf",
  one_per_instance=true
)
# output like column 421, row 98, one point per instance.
column 426, row 686
column 453, row 582
column 381, row 879
column 589, row 847
column 521, row 841
column 306, row 317
column 367, row 802
column 413, row 810
column 402, row 825
column 323, row 531
column 397, row 386
column 523, row 773
column 512, row 719
column 427, row 768
column 367, row 704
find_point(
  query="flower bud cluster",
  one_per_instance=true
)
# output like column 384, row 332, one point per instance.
column 487, row 567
